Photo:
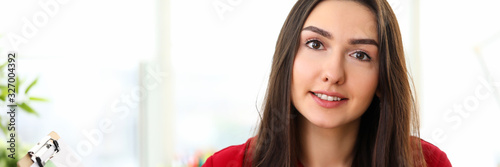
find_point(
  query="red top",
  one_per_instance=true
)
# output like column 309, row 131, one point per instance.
column 233, row 156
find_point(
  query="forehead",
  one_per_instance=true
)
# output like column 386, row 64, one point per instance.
column 343, row 19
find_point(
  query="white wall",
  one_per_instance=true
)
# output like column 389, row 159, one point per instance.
column 459, row 40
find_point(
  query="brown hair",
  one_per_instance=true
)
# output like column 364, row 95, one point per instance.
column 386, row 128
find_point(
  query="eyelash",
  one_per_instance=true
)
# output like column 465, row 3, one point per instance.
column 314, row 40
column 366, row 56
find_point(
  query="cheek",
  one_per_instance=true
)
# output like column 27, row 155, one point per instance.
column 299, row 69
column 363, row 82
column 302, row 74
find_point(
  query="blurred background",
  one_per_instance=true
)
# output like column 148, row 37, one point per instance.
column 178, row 80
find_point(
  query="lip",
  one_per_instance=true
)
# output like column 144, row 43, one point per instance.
column 328, row 93
column 326, row 103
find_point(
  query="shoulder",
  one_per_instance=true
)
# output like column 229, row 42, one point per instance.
column 433, row 155
column 229, row 156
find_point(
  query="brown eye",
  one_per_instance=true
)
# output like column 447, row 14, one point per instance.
column 360, row 55
column 314, row 44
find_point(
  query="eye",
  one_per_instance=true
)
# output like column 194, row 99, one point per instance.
column 360, row 55
column 314, row 44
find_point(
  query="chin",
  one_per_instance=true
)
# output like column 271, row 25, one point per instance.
column 330, row 121
column 326, row 123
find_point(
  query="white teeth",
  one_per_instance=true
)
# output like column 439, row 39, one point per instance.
column 328, row 98
column 324, row 97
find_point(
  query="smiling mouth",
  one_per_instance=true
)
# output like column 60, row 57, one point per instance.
column 327, row 98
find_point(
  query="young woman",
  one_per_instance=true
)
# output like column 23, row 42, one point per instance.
column 338, row 95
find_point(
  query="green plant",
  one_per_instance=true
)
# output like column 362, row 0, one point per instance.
column 23, row 105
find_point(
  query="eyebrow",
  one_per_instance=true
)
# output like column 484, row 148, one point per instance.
column 327, row 34
column 318, row 31
column 364, row 41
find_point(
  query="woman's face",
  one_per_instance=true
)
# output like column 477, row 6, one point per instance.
column 335, row 71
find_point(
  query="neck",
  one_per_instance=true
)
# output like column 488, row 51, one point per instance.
column 327, row 146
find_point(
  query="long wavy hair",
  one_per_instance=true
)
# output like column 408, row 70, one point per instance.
column 389, row 129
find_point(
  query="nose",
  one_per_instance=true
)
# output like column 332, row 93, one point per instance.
column 334, row 70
